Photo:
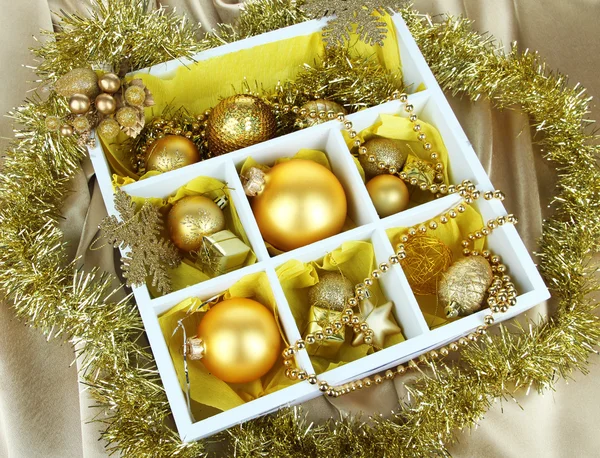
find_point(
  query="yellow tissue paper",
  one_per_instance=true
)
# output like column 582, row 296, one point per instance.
column 208, row 393
column 451, row 234
column 355, row 260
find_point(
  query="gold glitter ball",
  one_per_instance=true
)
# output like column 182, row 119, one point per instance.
column 392, row 153
column 109, row 128
column 81, row 124
column 78, row 81
column 127, row 116
column 332, row 291
column 52, row 123
column 426, row 259
column 135, row 95
column 237, row 122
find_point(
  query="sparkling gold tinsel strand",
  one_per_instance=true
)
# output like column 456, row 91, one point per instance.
column 50, row 293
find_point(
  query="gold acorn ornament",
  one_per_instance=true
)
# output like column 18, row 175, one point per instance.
column 171, row 152
column 332, row 291
column 239, row 121
column 386, row 151
column 462, row 288
column 191, row 219
column 78, row 81
column 296, row 203
column 309, row 112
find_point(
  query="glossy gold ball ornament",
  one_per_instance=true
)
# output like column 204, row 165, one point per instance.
column 392, row 153
column 299, row 202
column 389, row 194
column 78, row 81
column 332, row 291
column 79, row 104
column 106, row 104
column 109, row 82
column 171, row 152
column 239, row 121
column 191, row 218
column 240, row 340
column 108, row 128
column 66, row 130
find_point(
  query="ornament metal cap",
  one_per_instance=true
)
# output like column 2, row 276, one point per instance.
column 194, row 348
column 254, row 181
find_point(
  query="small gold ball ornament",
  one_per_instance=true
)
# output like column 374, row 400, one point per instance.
column 239, row 121
column 127, row 116
column 135, row 95
column 108, row 128
column 81, row 124
column 66, row 130
column 106, row 104
column 464, row 285
column 390, row 152
column 78, row 81
column 389, row 194
column 191, row 218
column 298, row 202
column 79, row 104
column 426, row 259
column 171, row 152
column 109, row 82
column 240, row 340
column 332, row 291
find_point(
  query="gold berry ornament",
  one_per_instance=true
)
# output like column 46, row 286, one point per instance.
column 426, row 258
column 135, row 95
column 332, row 291
column 106, row 104
column 239, row 121
column 108, row 128
column 296, row 203
column 191, row 218
column 171, row 152
column 463, row 286
column 386, row 151
column 66, row 130
column 81, row 124
column 78, row 81
column 109, row 83
column 79, row 104
column 389, row 194
column 53, row 123
column 238, row 340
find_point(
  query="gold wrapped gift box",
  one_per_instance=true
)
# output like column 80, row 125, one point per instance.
column 318, row 319
column 222, row 252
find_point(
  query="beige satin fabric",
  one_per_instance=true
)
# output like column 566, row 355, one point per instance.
column 43, row 409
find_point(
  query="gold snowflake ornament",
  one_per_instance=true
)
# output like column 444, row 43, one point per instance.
column 360, row 16
column 140, row 230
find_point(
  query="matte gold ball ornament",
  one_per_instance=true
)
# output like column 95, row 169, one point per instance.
column 171, row 152
column 106, row 104
column 296, row 203
column 389, row 194
column 239, row 121
column 332, row 291
column 390, row 152
column 238, row 340
column 79, row 104
column 192, row 218
column 109, row 83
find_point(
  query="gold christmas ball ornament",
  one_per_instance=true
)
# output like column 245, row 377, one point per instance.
column 81, row 124
column 66, row 130
column 312, row 110
column 191, row 218
column 239, row 121
column 426, row 259
column 106, row 104
column 389, row 194
column 296, row 203
column 108, row 128
column 110, row 83
column 238, row 340
column 171, row 152
column 135, row 95
column 78, row 81
column 332, row 291
column 128, row 116
column 79, row 104
column 390, row 152
column 464, row 285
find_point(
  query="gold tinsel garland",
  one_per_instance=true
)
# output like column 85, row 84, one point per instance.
column 49, row 292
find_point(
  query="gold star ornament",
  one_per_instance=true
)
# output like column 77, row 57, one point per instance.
column 380, row 321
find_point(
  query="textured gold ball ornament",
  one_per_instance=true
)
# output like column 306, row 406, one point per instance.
column 108, row 128
column 53, row 123
column 127, row 117
column 191, row 218
column 106, row 104
column 79, row 104
column 110, row 83
column 81, row 124
column 78, row 81
column 239, row 121
column 332, row 291
column 426, row 259
column 135, row 95
column 464, row 285
column 389, row 194
column 238, row 340
column 297, row 202
column 171, row 152
column 390, row 152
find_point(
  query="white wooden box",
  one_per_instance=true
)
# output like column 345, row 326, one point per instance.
column 431, row 106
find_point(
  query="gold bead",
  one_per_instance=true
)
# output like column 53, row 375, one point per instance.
column 463, row 342
column 378, row 379
column 389, row 374
column 310, row 339
column 312, row 379
column 453, row 346
column 444, row 351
